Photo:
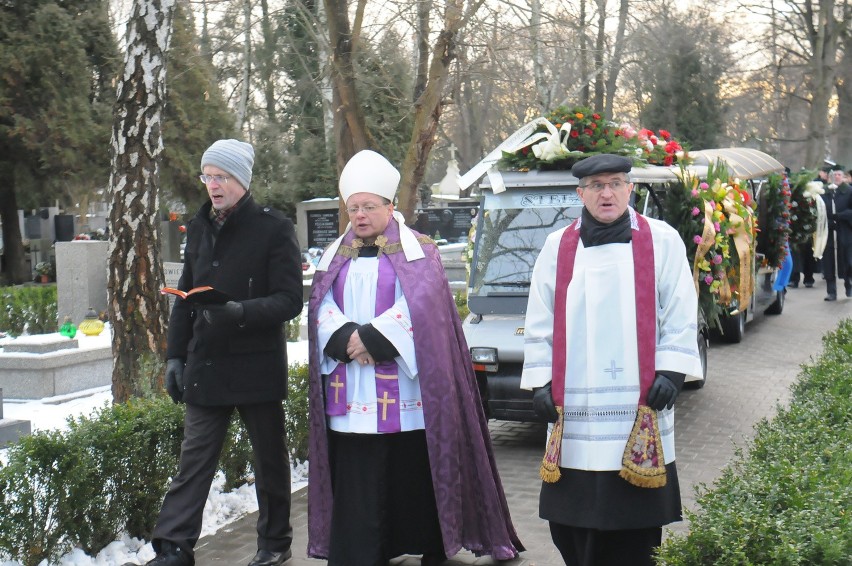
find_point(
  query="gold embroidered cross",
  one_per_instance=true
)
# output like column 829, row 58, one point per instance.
column 385, row 401
column 645, row 436
column 337, row 384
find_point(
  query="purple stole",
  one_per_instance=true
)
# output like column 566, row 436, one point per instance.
column 387, row 373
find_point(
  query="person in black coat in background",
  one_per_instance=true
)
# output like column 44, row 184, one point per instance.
column 837, row 258
column 232, row 355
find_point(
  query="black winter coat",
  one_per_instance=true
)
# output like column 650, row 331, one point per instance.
column 255, row 259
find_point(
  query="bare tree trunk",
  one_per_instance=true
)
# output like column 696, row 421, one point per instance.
column 844, row 106
column 14, row 267
column 470, row 97
column 267, row 62
column 422, row 68
column 824, row 38
column 599, row 56
column 584, row 55
column 542, row 89
column 326, row 88
column 242, row 105
column 615, row 61
column 204, row 40
column 136, row 308
column 350, row 128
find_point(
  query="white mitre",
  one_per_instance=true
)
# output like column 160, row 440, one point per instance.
column 369, row 172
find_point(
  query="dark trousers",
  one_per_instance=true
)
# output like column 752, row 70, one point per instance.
column 384, row 502
column 591, row 547
column 835, row 265
column 804, row 263
column 204, row 434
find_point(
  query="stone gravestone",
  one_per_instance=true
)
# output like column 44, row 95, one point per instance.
column 11, row 430
column 81, row 278
column 172, row 271
column 317, row 222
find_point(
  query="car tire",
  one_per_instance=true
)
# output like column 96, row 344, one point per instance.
column 733, row 327
column 777, row 307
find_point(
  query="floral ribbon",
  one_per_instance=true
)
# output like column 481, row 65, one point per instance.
column 742, row 241
column 812, row 191
column 519, row 139
column 547, row 146
column 708, row 238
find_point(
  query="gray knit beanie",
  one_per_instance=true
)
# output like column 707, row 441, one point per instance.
column 233, row 157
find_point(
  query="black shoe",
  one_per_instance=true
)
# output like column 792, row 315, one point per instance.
column 830, row 297
column 809, row 284
column 433, row 559
column 849, row 292
column 269, row 558
column 793, row 285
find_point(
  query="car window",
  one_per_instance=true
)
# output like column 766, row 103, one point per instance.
column 510, row 233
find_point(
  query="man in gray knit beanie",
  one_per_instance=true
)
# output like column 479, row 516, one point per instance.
column 227, row 353
column 231, row 156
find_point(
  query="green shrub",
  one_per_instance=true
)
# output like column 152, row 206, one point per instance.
column 236, row 459
column 461, row 304
column 28, row 307
column 296, row 411
column 786, row 501
column 292, row 331
column 107, row 474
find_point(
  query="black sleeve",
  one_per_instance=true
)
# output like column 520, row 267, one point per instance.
column 336, row 347
column 379, row 347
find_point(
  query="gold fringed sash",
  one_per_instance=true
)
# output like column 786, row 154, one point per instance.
column 549, row 469
column 643, row 463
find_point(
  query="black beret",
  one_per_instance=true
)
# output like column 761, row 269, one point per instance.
column 602, row 163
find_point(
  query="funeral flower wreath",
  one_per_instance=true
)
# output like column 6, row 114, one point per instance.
column 716, row 219
column 567, row 135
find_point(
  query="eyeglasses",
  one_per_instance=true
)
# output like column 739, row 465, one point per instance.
column 599, row 187
column 366, row 209
column 220, row 179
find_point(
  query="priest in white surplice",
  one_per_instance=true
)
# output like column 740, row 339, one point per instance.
column 610, row 333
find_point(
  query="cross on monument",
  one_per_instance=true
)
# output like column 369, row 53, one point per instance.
column 385, row 402
column 453, row 149
column 614, row 370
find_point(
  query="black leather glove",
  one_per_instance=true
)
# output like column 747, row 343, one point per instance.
column 543, row 404
column 174, row 379
column 662, row 394
column 230, row 313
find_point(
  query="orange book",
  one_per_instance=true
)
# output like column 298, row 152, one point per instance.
column 205, row 295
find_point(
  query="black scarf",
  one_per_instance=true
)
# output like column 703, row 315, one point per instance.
column 596, row 233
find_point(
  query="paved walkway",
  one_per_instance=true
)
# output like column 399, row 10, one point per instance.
column 745, row 383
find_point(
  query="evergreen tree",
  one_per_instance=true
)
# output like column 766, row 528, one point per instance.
column 195, row 115
column 686, row 59
column 57, row 63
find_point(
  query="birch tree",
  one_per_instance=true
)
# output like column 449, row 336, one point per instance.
column 136, row 308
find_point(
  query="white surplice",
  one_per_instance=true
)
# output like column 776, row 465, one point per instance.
column 602, row 369
column 359, row 299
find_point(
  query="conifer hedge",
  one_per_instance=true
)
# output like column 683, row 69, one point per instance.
column 787, row 499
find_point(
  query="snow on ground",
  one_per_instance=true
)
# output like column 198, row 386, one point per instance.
column 221, row 508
